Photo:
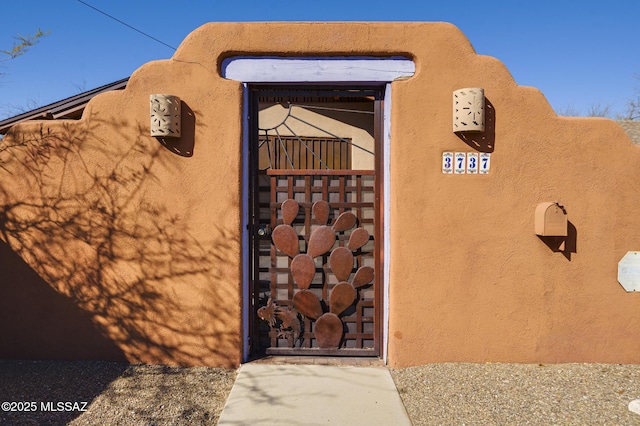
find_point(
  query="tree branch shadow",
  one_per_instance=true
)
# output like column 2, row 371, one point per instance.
column 94, row 246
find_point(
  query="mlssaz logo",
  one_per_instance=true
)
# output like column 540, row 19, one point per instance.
column 63, row 406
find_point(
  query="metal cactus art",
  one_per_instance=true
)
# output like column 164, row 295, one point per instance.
column 328, row 327
column 285, row 321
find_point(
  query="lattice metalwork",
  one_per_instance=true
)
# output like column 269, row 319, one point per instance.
column 344, row 191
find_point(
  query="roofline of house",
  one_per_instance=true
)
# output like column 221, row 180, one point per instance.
column 66, row 108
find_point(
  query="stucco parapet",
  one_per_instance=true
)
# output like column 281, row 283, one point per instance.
column 213, row 42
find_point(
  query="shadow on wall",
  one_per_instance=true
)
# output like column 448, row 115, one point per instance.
column 483, row 141
column 183, row 145
column 565, row 245
column 116, row 275
column 35, row 317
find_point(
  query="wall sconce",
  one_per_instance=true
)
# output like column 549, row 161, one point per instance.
column 468, row 110
column 165, row 115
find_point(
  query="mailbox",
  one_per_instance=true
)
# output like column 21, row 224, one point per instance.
column 551, row 220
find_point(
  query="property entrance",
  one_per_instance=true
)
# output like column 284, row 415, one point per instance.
column 315, row 223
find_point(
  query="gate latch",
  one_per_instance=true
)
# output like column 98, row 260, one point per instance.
column 264, row 230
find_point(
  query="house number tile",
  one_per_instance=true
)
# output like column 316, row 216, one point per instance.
column 471, row 163
column 447, row 163
column 485, row 163
column 460, row 162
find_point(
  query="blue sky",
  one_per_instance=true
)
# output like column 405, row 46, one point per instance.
column 578, row 53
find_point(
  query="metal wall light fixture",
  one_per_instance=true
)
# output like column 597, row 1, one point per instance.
column 165, row 115
column 468, row 110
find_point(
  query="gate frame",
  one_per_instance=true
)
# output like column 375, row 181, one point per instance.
column 311, row 91
column 335, row 72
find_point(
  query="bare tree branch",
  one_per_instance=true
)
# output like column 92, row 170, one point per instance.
column 596, row 109
column 633, row 105
column 23, row 43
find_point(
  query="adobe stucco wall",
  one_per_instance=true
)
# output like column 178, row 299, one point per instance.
column 145, row 239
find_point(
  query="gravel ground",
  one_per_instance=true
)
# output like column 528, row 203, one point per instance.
column 114, row 393
column 519, row 394
column 435, row 394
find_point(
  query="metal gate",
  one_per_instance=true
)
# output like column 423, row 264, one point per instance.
column 315, row 218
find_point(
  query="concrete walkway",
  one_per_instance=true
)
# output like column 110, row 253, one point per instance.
column 272, row 394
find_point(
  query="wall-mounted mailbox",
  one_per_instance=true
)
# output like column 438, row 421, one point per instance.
column 550, row 220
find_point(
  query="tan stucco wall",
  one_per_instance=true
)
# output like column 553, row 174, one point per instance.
column 145, row 239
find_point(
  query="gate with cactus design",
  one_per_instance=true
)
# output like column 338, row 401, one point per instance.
column 315, row 220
